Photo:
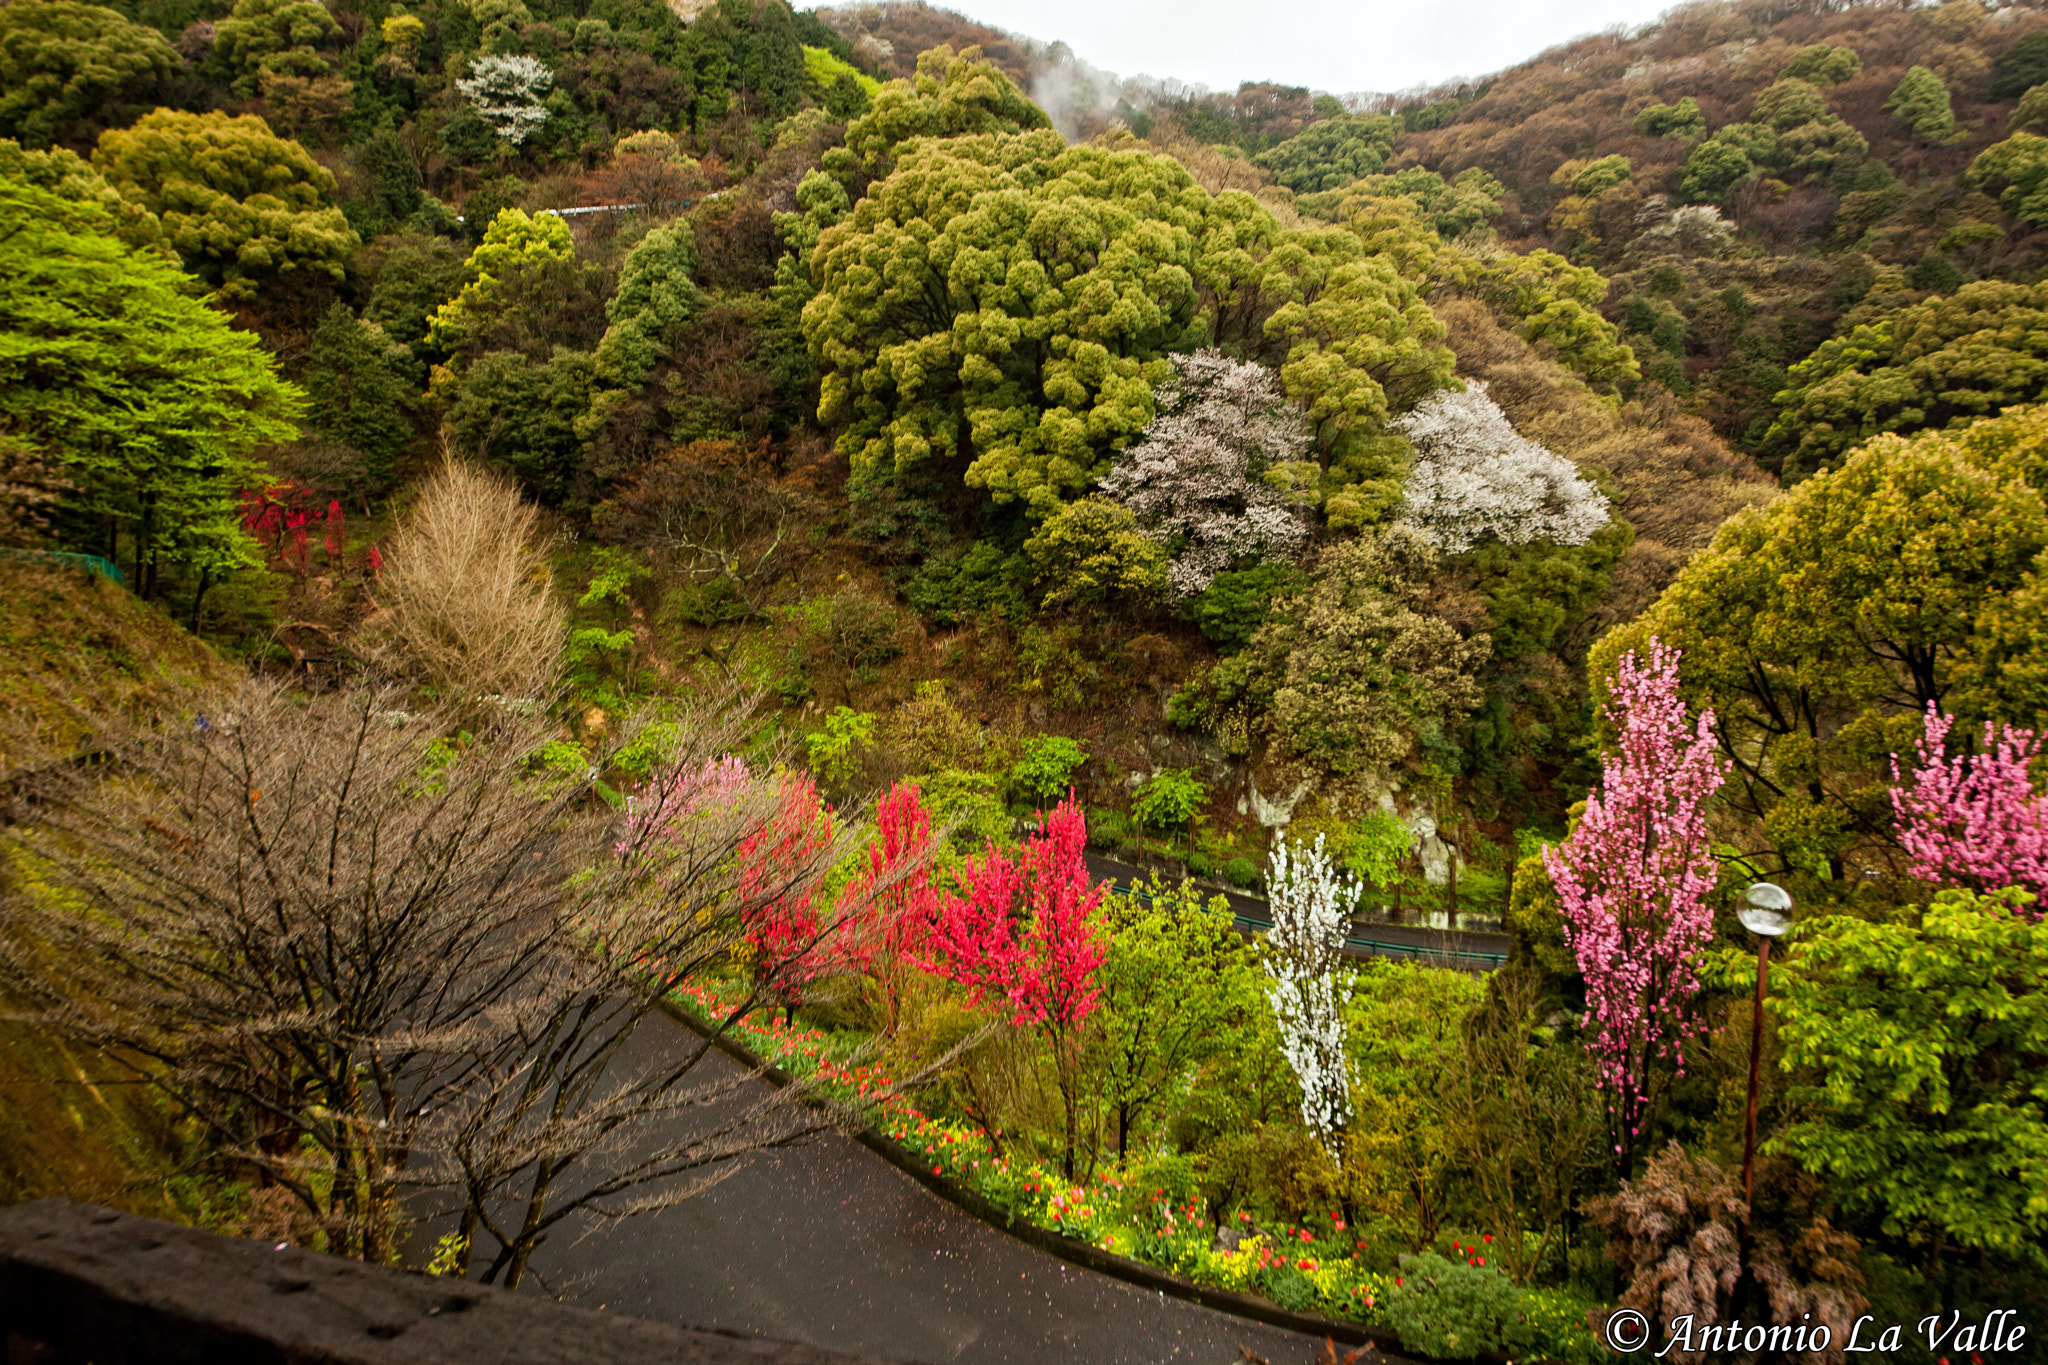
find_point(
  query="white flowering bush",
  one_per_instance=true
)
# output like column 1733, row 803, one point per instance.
column 1311, row 905
column 506, row 93
column 1218, row 474
column 1475, row 478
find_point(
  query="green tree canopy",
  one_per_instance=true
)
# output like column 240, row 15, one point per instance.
column 68, row 70
column 238, row 203
column 149, row 400
column 2020, row 165
column 1821, row 628
column 655, row 295
column 1682, row 119
column 1920, row 101
column 1332, row 153
column 263, row 38
column 952, row 95
column 1919, row 1052
column 1009, row 302
column 70, row 177
column 1821, row 64
column 515, row 244
column 1980, row 349
column 1452, row 207
column 362, row 383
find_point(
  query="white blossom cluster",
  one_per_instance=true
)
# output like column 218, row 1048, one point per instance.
column 1304, row 949
column 506, row 93
column 1209, row 475
column 1475, row 477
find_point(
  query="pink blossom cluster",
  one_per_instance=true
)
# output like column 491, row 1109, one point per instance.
column 1975, row 820
column 282, row 516
column 1633, row 880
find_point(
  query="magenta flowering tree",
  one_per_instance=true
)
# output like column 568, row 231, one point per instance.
column 1633, row 879
column 1975, row 820
column 1026, row 940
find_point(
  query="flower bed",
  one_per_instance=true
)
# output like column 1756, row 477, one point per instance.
column 1302, row 1268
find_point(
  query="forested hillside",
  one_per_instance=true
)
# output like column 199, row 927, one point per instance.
column 1271, row 471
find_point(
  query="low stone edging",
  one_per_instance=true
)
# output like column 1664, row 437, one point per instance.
column 1070, row 1249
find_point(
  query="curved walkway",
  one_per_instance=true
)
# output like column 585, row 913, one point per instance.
column 828, row 1244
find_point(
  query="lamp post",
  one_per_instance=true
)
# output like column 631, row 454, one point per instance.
column 1763, row 914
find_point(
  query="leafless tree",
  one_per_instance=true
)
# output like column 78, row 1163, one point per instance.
column 396, row 974
column 714, row 514
column 466, row 595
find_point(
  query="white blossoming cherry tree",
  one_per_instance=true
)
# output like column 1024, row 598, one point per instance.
column 1475, row 477
column 1219, row 474
column 1305, row 985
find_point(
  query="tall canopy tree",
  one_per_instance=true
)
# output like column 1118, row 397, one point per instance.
column 148, row 400
column 1951, row 358
column 239, row 204
column 1009, row 303
column 1821, row 629
column 68, row 70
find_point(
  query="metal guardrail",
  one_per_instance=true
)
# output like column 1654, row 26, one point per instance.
column 1367, row 947
column 69, row 560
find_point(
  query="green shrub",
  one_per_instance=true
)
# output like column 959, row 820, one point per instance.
column 960, row 585
column 1170, row 800
column 1241, row 872
column 836, row 751
column 1047, row 767
column 1455, row 1311
column 1234, row 605
column 969, row 803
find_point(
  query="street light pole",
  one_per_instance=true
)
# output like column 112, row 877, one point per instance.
column 1763, row 914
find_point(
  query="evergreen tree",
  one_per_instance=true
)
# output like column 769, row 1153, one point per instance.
column 149, row 401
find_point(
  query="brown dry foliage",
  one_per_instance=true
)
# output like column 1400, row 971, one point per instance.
column 466, row 596
column 1676, row 1235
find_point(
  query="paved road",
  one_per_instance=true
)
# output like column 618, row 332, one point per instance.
column 1463, row 948
column 829, row 1244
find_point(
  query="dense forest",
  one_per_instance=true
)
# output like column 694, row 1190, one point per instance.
column 1546, row 504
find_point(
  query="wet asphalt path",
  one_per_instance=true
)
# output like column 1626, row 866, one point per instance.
column 828, row 1244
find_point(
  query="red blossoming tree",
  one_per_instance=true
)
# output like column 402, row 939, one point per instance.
column 890, row 907
column 785, row 934
column 1026, row 940
column 1975, row 820
column 1633, row 879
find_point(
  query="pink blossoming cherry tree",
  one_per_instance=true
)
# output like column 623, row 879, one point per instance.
column 1633, row 879
column 1975, row 820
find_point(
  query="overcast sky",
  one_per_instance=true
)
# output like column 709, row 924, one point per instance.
column 1334, row 45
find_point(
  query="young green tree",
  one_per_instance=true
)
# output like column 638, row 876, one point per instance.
column 1174, row 978
column 239, row 204
column 68, row 70
column 952, row 95
column 1920, row 101
column 148, row 400
column 361, row 383
column 1920, row 1057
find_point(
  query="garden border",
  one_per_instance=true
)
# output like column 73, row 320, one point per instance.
column 1071, row 1249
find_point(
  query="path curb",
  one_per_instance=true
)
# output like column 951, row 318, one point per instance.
column 1070, row 1248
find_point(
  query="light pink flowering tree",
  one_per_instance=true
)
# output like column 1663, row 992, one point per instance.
column 1975, row 820
column 1026, row 939
column 1633, row 879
